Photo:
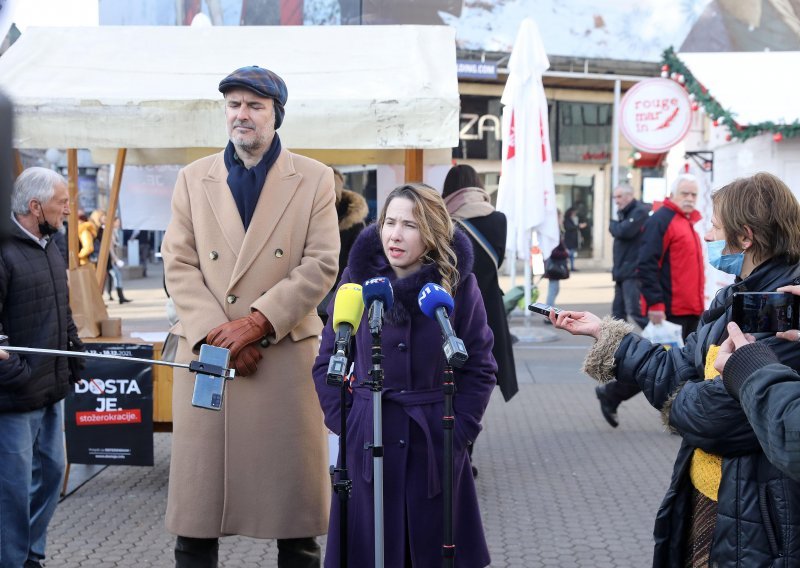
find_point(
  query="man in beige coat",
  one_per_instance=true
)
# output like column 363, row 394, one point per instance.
column 250, row 251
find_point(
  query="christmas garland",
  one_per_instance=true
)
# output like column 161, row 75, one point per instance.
column 703, row 101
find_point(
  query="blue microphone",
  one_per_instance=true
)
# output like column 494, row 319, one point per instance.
column 436, row 303
column 379, row 297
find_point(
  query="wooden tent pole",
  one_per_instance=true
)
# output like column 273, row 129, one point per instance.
column 72, row 223
column 113, row 199
column 413, row 166
column 17, row 164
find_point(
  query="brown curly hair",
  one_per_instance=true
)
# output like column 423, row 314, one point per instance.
column 435, row 228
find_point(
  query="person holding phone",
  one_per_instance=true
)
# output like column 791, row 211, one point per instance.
column 768, row 391
column 727, row 504
column 412, row 244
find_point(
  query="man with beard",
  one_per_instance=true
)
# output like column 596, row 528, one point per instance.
column 671, row 274
column 250, row 251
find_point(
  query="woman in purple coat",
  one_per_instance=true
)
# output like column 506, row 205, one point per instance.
column 413, row 243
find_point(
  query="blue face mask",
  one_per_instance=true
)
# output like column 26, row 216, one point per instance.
column 730, row 263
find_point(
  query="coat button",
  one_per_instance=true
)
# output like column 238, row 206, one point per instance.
column 231, row 299
column 264, row 343
column 402, row 443
column 402, row 347
column 213, row 255
column 279, row 252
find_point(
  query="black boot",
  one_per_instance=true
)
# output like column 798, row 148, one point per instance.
column 196, row 552
column 109, row 286
column 121, row 296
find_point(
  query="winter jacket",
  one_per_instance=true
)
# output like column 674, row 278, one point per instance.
column 756, row 521
column 34, row 312
column 769, row 393
column 671, row 266
column 627, row 233
column 412, row 405
column 493, row 227
column 352, row 211
column 572, row 233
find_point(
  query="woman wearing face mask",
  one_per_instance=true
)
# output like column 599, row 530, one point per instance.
column 412, row 244
column 727, row 504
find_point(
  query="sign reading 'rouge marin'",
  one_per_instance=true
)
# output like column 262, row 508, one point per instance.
column 655, row 115
column 109, row 415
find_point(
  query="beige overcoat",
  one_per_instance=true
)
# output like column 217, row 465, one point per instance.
column 259, row 466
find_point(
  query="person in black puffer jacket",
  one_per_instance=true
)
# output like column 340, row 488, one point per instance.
column 34, row 312
column 727, row 504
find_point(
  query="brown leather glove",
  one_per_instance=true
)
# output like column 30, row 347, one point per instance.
column 235, row 335
column 246, row 362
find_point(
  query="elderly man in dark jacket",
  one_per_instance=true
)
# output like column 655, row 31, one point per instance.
column 671, row 276
column 627, row 233
column 34, row 312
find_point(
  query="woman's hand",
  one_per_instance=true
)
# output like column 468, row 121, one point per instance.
column 736, row 339
column 577, row 323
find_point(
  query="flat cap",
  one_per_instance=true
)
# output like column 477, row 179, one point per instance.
column 262, row 82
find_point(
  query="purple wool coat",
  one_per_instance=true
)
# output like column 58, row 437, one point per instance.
column 412, row 407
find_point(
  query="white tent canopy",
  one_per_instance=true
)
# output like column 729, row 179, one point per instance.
column 754, row 86
column 350, row 87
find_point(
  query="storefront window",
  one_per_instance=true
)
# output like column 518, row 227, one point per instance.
column 583, row 132
column 575, row 197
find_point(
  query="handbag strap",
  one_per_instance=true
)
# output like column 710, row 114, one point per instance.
column 481, row 240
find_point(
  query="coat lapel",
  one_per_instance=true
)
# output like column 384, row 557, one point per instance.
column 279, row 188
column 223, row 205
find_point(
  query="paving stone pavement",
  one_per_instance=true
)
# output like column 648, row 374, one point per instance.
column 558, row 487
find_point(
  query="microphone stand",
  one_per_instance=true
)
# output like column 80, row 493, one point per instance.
column 344, row 486
column 376, row 386
column 448, row 422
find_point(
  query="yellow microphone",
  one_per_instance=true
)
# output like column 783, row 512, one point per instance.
column 348, row 307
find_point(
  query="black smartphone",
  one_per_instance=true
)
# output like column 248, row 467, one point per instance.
column 766, row 312
column 208, row 390
column 543, row 309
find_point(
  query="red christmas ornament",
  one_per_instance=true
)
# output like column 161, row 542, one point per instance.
column 777, row 137
column 728, row 137
column 716, row 122
column 665, row 67
column 695, row 106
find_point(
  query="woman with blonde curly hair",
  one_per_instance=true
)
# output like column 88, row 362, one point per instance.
column 412, row 244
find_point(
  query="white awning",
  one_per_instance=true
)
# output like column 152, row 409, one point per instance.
column 350, row 87
column 754, row 86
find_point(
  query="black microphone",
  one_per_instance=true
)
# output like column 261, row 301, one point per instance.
column 347, row 310
column 436, row 303
column 379, row 297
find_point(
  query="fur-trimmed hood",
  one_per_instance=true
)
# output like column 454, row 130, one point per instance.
column 351, row 208
column 368, row 261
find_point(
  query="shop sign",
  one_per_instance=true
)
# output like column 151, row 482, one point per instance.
column 655, row 115
column 475, row 127
column 468, row 69
column 109, row 415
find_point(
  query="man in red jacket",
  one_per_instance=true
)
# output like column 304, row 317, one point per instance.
column 671, row 274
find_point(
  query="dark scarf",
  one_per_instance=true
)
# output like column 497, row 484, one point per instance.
column 246, row 184
column 367, row 261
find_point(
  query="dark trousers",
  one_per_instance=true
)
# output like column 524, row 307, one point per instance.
column 627, row 302
column 618, row 392
column 204, row 552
